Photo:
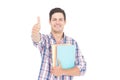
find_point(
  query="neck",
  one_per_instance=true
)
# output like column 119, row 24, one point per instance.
column 58, row 37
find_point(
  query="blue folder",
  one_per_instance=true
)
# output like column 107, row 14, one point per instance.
column 66, row 56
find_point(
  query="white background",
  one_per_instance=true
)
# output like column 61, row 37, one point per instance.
column 94, row 24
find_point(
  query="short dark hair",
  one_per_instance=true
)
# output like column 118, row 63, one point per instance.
column 56, row 10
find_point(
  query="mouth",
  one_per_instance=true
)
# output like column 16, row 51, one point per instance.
column 57, row 26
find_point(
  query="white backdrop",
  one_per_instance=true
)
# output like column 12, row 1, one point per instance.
column 94, row 24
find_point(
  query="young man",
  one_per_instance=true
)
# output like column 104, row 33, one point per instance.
column 57, row 20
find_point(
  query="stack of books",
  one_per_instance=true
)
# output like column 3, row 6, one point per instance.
column 63, row 55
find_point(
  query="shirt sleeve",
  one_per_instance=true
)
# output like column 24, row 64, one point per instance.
column 80, row 61
column 41, row 44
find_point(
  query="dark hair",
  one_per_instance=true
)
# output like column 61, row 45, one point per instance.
column 56, row 10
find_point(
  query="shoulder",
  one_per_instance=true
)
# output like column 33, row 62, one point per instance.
column 45, row 36
column 72, row 40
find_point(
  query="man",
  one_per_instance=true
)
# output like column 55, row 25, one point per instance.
column 57, row 20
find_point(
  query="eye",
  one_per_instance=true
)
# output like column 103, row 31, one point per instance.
column 61, row 19
column 54, row 19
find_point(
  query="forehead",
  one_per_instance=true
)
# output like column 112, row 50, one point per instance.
column 58, row 15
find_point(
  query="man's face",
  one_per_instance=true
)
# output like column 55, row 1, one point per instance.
column 57, row 22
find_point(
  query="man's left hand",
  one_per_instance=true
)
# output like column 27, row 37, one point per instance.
column 57, row 71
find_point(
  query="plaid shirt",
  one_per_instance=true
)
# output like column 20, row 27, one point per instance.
column 46, row 62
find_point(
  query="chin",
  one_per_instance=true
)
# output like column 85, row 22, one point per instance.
column 58, row 31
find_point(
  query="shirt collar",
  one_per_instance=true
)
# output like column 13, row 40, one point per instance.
column 52, row 39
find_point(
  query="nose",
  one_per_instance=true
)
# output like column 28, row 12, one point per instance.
column 57, row 22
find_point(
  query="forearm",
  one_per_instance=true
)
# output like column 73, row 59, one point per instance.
column 71, row 72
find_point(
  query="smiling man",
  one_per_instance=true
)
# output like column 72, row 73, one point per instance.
column 57, row 20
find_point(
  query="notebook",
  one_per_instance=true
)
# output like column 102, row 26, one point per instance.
column 64, row 55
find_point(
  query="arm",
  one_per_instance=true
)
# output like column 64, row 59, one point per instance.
column 71, row 72
column 80, row 61
column 58, row 71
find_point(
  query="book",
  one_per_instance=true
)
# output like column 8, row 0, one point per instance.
column 63, row 55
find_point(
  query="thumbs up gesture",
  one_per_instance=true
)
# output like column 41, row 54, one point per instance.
column 35, row 31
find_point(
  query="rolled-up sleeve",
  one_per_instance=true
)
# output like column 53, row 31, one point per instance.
column 40, row 45
column 80, row 61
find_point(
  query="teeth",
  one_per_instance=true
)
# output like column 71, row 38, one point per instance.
column 57, row 25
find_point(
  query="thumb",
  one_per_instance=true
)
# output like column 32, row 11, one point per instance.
column 59, row 63
column 38, row 20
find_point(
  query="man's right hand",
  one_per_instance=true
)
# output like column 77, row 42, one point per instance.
column 35, row 31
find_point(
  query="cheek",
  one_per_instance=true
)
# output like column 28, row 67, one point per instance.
column 52, row 23
column 63, row 23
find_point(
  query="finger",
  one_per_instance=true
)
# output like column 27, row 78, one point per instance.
column 36, row 27
column 59, row 63
column 35, row 33
column 38, row 20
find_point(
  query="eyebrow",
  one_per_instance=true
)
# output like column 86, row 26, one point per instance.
column 58, row 18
